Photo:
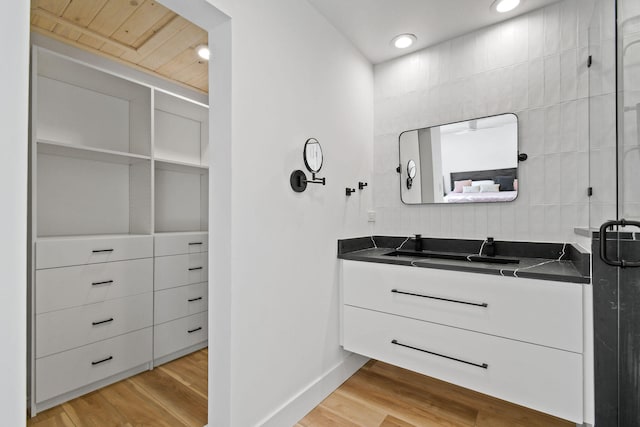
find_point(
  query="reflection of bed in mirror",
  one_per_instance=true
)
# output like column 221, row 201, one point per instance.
column 494, row 185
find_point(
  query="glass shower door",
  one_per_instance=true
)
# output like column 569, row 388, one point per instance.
column 616, row 250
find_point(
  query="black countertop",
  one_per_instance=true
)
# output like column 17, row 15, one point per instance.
column 537, row 260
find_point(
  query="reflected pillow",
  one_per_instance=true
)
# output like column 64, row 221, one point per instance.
column 457, row 185
column 471, row 189
column 490, row 188
column 482, row 182
column 506, row 182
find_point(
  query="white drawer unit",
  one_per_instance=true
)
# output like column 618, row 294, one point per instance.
column 536, row 311
column 70, row 370
column 534, row 376
column 68, row 251
column 174, row 303
column 180, row 243
column 180, row 270
column 65, row 287
column 517, row 339
column 62, row 330
column 179, row 334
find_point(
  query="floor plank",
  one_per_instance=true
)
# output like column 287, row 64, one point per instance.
column 138, row 408
column 182, row 402
column 188, row 371
column 59, row 420
column 391, row 421
column 93, row 410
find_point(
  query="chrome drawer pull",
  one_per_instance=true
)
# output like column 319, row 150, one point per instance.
column 98, row 251
column 194, row 243
column 194, row 299
column 102, row 322
column 483, row 365
column 194, row 330
column 477, row 304
column 97, row 362
column 195, row 268
column 106, row 282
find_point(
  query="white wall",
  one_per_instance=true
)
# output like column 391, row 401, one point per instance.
column 533, row 65
column 294, row 77
column 14, row 86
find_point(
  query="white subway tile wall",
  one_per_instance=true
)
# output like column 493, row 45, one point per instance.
column 536, row 66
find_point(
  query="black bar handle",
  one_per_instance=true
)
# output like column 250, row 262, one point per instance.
column 476, row 304
column 479, row 365
column 195, row 268
column 106, row 359
column 194, row 299
column 194, row 330
column 98, row 251
column 105, row 282
column 194, row 243
column 603, row 244
column 102, row 322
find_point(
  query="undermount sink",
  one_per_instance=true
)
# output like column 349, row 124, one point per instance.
column 453, row 256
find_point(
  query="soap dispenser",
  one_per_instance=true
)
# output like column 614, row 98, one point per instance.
column 490, row 247
column 418, row 243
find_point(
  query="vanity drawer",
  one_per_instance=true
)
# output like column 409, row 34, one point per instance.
column 58, row 288
column 70, row 370
column 179, row 334
column 536, row 311
column 62, row 252
column 180, row 270
column 181, row 243
column 173, row 303
column 65, row 329
column 537, row 377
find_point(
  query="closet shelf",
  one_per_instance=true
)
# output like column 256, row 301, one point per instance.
column 90, row 236
column 176, row 166
column 56, row 148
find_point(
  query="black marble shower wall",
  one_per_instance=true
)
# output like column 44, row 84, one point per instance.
column 616, row 296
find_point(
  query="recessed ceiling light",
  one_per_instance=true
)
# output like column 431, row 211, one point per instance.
column 203, row 52
column 404, row 41
column 502, row 6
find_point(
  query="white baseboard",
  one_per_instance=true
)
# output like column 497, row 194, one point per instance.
column 298, row 406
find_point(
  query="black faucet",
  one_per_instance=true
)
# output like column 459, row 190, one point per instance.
column 418, row 243
column 489, row 247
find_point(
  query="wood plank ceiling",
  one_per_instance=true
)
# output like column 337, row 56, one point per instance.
column 141, row 33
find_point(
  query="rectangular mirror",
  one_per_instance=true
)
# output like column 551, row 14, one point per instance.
column 475, row 161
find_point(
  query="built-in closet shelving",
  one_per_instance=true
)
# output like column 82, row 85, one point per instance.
column 181, row 172
column 119, row 208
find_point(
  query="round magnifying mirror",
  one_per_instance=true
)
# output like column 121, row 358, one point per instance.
column 313, row 155
column 411, row 169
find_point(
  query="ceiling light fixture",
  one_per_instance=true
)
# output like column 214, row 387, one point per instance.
column 203, row 51
column 404, row 41
column 502, row 6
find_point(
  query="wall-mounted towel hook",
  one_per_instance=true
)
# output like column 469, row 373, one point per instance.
column 361, row 185
column 348, row 191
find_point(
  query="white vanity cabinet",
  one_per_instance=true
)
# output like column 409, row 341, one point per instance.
column 180, row 295
column 517, row 339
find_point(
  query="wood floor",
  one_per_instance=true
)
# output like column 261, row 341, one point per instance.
column 378, row 395
column 171, row 395
column 381, row 395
